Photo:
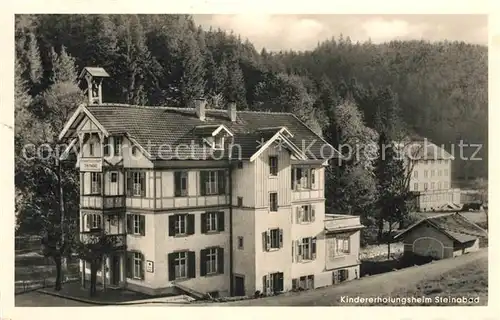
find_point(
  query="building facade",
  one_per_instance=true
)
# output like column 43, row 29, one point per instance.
column 430, row 176
column 204, row 201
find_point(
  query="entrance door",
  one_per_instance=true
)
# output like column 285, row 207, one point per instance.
column 239, row 286
column 115, row 270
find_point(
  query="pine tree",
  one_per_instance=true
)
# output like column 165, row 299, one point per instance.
column 192, row 82
column 235, row 85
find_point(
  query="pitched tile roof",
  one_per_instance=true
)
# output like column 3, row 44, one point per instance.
column 454, row 225
column 160, row 130
column 94, row 71
column 423, row 149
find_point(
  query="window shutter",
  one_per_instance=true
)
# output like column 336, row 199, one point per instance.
column 271, row 283
column 220, row 260
column 130, row 264
column 177, row 183
column 313, row 248
column 142, row 225
column 299, row 250
column 220, row 222
column 297, row 214
column 203, row 221
column 313, row 213
column 335, row 277
column 203, row 262
column 313, row 178
column 129, row 183
column 264, row 241
column 203, row 179
column 88, row 217
column 221, row 179
column 280, row 282
column 292, row 179
column 171, row 225
column 346, row 274
column 171, row 266
column 268, row 240
column 191, row 264
column 142, row 267
column 265, row 284
column 143, row 184
column 129, row 224
column 293, row 251
column 190, row 223
column 99, row 221
column 281, row 238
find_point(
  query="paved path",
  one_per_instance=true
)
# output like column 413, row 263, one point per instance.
column 369, row 286
column 37, row 299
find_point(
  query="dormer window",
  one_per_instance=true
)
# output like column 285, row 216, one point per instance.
column 213, row 135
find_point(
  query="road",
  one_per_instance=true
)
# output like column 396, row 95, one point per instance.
column 376, row 285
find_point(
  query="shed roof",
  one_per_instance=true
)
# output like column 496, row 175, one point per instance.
column 454, row 225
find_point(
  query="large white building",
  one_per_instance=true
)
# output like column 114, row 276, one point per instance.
column 225, row 202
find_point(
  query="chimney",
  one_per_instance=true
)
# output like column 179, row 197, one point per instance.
column 199, row 107
column 94, row 77
column 231, row 111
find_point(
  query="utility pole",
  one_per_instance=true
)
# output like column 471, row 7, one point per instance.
column 62, row 215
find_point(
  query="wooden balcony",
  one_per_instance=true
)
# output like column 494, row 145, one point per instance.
column 119, row 240
column 103, row 202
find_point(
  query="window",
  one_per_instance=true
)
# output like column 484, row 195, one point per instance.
column 304, row 249
column 117, row 146
column 211, row 261
column 439, row 185
column 302, row 178
column 273, row 201
column 340, row 275
column 218, row 143
column 136, row 224
column 305, row 213
column 181, row 266
column 136, row 183
column 240, row 243
column 432, row 173
column 305, row 282
column 273, row 283
column 415, row 174
column 240, row 164
column 212, row 221
column 135, row 265
column 440, row 172
column 433, row 185
column 212, row 182
column 113, row 176
column 95, row 182
column 273, row 239
column 240, row 202
column 426, row 185
column 180, row 183
column 415, row 186
column 181, row 225
column 91, row 149
column 94, row 221
column 426, row 173
column 273, row 166
column 106, row 146
column 135, row 150
column 342, row 245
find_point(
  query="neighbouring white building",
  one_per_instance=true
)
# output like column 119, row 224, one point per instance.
column 225, row 202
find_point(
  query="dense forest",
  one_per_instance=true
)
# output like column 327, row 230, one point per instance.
column 436, row 90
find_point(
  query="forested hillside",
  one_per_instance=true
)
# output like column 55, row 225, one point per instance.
column 438, row 89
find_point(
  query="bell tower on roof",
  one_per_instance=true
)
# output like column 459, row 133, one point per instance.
column 93, row 77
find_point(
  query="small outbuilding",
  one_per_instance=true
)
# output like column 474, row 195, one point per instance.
column 442, row 236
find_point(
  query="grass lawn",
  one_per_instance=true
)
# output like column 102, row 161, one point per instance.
column 470, row 280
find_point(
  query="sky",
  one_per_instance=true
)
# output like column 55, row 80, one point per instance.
column 303, row 32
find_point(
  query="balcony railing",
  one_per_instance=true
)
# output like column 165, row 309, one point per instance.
column 103, row 202
column 119, row 240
